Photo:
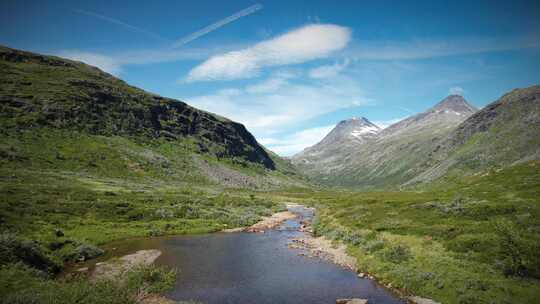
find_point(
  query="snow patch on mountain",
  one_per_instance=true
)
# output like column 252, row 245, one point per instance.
column 365, row 130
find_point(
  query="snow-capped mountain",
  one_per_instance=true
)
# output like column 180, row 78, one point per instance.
column 355, row 129
column 344, row 139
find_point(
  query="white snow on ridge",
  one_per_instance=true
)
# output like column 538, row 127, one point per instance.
column 364, row 130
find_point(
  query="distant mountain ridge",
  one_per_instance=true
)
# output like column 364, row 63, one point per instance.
column 388, row 156
column 450, row 139
column 503, row 133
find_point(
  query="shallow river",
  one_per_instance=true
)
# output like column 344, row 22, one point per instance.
column 244, row 268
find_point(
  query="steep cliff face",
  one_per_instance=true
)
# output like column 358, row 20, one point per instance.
column 43, row 91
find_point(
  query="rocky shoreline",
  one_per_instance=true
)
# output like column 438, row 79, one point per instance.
column 336, row 252
column 115, row 267
column 267, row 223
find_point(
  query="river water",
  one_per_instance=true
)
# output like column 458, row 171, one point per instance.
column 249, row 268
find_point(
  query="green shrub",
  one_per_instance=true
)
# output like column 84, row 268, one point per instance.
column 87, row 251
column 153, row 232
column 150, row 279
column 517, row 255
column 14, row 249
column 397, row 253
column 135, row 215
column 373, row 245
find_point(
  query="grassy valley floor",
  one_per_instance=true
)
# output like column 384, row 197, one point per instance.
column 470, row 240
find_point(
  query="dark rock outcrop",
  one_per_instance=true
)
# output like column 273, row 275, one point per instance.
column 45, row 91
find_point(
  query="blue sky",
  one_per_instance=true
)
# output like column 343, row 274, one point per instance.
column 290, row 70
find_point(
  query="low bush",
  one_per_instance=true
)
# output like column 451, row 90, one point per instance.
column 87, row 251
column 396, row 253
column 14, row 249
column 517, row 255
column 373, row 245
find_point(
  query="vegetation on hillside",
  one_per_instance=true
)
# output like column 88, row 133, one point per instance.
column 45, row 91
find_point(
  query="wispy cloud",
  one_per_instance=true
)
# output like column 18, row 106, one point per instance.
column 327, row 71
column 406, row 110
column 456, row 91
column 123, row 24
column 306, row 43
column 422, row 49
column 291, row 144
column 278, row 103
column 214, row 26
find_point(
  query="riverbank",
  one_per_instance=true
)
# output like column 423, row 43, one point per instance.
column 266, row 223
column 118, row 268
column 115, row 267
column 336, row 252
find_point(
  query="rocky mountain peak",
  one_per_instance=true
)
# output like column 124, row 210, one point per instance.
column 354, row 121
column 353, row 129
column 454, row 103
column 347, row 133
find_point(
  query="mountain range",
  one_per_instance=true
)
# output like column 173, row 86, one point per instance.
column 449, row 139
column 78, row 118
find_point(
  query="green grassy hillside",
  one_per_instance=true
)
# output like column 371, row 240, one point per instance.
column 503, row 133
column 43, row 91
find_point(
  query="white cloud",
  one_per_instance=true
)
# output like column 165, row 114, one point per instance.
column 272, row 84
column 456, row 91
column 328, row 71
column 296, row 142
column 306, row 43
column 278, row 103
column 105, row 63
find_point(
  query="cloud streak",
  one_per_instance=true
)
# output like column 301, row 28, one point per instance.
column 214, row 26
column 297, row 46
column 328, row 71
column 123, row 24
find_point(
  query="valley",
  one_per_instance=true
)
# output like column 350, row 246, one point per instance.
column 441, row 205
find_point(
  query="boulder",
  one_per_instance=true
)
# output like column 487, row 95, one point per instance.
column 86, row 251
column 419, row 300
